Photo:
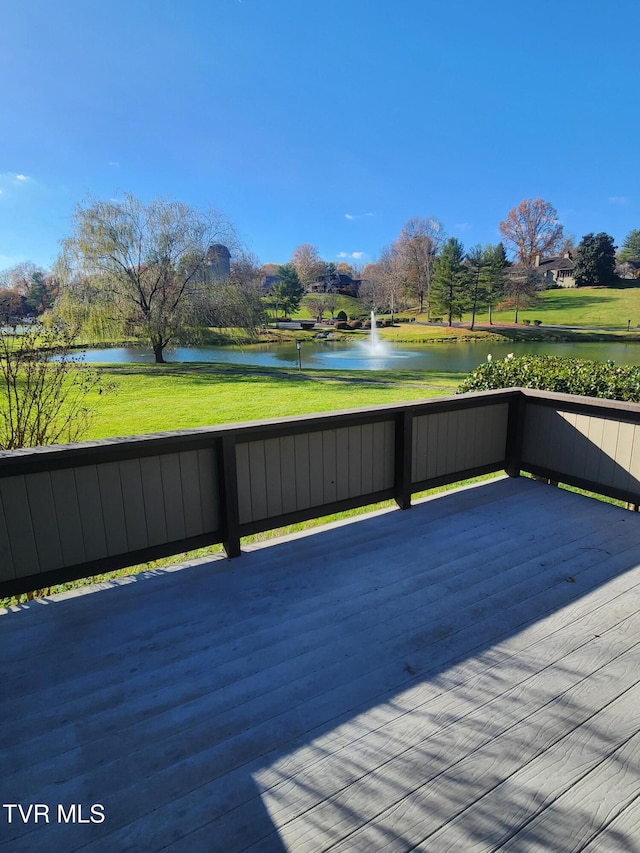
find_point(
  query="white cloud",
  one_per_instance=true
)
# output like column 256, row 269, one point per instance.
column 352, row 216
column 355, row 255
column 618, row 199
column 15, row 179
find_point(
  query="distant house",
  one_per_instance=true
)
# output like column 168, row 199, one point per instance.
column 556, row 271
column 267, row 284
column 629, row 269
column 336, row 282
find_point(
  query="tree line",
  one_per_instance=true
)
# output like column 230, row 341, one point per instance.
column 145, row 271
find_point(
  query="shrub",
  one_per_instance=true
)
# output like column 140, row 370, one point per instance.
column 527, row 322
column 355, row 324
column 537, row 322
column 603, row 379
column 342, row 325
column 44, row 391
column 341, row 315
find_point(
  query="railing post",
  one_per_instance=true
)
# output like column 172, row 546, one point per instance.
column 229, row 497
column 515, row 433
column 403, row 451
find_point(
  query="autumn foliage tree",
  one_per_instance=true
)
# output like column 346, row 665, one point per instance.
column 531, row 229
column 308, row 264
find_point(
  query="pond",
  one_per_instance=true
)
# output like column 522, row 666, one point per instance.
column 460, row 357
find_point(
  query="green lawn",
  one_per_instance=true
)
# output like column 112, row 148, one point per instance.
column 596, row 307
column 150, row 398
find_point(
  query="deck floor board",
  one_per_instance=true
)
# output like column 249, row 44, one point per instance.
column 459, row 676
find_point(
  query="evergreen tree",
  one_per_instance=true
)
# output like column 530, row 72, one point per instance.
column 630, row 246
column 288, row 291
column 452, row 283
column 494, row 264
column 594, row 260
column 475, row 263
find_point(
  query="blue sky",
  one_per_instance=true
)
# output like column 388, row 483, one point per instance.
column 328, row 123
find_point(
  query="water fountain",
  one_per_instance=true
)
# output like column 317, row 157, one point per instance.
column 372, row 354
column 374, row 346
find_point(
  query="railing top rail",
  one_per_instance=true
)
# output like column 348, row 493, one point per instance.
column 592, row 405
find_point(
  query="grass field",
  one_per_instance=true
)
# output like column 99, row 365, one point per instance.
column 598, row 307
column 153, row 398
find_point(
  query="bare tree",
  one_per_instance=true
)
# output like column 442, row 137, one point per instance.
column 236, row 302
column 149, row 263
column 45, row 391
column 19, row 277
column 317, row 304
column 308, row 263
column 522, row 284
column 417, row 248
column 531, row 229
column 382, row 288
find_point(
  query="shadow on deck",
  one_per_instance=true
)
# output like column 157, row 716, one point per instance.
column 459, row 676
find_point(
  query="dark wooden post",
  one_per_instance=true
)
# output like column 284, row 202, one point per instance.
column 403, row 450
column 515, row 433
column 229, row 497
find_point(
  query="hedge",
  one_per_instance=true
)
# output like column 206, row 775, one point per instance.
column 553, row 373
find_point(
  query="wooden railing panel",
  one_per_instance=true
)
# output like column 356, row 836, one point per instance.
column 101, row 505
column 460, row 440
column 21, row 538
column 6, row 558
column 172, row 491
column 627, row 433
column 42, row 509
column 273, row 477
column 67, row 511
column 600, row 451
column 302, row 471
column 92, row 530
column 317, row 495
column 133, row 504
column 382, row 456
column 341, row 472
column 153, row 496
column 67, row 516
column 111, row 500
column 289, row 474
column 209, row 489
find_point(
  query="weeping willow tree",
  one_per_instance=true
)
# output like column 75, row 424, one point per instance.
column 143, row 270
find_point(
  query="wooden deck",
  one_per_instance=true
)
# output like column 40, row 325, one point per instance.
column 461, row 676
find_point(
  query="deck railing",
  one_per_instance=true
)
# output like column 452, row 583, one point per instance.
column 76, row 510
